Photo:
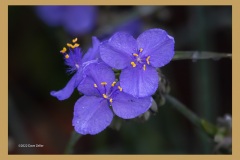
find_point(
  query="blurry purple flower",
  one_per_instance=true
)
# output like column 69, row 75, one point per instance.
column 138, row 59
column 91, row 112
column 75, row 19
column 75, row 62
column 133, row 27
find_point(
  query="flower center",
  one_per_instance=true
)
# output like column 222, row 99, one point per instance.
column 108, row 95
column 140, row 60
column 72, row 56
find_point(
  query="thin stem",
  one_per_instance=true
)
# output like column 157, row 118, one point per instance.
column 184, row 110
column 210, row 129
column 196, row 55
column 73, row 140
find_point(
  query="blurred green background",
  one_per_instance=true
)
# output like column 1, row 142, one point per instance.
column 35, row 67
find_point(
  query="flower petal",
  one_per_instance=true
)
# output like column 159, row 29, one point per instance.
column 67, row 91
column 117, row 51
column 157, row 44
column 91, row 115
column 96, row 73
column 127, row 106
column 93, row 52
column 139, row 82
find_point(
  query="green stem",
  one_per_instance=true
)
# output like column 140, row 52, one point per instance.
column 73, row 140
column 207, row 127
column 196, row 55
column 184, row 110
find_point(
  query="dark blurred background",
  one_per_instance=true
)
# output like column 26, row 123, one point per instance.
column 35, row 67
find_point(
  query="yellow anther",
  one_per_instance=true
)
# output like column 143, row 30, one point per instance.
column 74, row 40
column 120, row 88
column 140, row 50
column 110, row 100
column 95, row 85
column 133, row 64
column 75, row 45
column 104, row 83
column 135, row 54
column 144, row 67
column 147, row 59
column 69, row 45
column 66, row 56
column 63, row 50
column 113, row 84
column 104, row 96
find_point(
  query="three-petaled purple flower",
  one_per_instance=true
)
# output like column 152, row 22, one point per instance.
column 138, row 59
column 92, row 112
column 76, row 62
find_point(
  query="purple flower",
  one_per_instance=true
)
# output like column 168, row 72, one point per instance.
column 76, row 63
column 75, row 19
column 92, row 113
column 138, row 59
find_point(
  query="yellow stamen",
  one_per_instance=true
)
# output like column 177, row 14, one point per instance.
column 135, row 54
column 104, row 83
column 113, row 84
column 133, row 64
column 104, row 96
column 144, row 67
column 120, row 88
column 110, row 100
column 74, row 40
column 66, row 56
column 140, row 50
column 75, row 45
column 95, row 85
column 147, row 59
column 69, row 45
column 63, row 50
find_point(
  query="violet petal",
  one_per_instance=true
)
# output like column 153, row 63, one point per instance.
column 91, row 115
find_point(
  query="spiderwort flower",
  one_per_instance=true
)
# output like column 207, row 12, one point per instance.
column 75, row 62
column 74, row 19
column 138, row 59
column 92, row 113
